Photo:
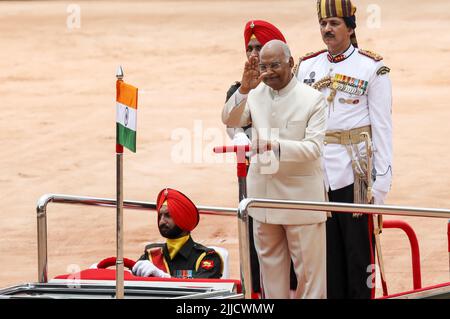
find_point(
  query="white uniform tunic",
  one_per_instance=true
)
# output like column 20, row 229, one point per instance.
column 363, row 97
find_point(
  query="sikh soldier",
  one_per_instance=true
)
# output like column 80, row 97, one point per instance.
column 358, row 91
column 180, row 256
column 256, row 34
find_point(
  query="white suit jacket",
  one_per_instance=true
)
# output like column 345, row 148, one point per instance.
column 295, row 117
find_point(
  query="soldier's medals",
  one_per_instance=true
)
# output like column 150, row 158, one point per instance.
column 349, row 85
column 343, row 83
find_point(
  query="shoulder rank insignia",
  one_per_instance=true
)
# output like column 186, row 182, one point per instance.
column 370, row 54
column 311, row 55
column 306, row 57
column 383, row 70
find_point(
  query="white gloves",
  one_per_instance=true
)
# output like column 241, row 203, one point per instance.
column 144, row 268
column 240, row 138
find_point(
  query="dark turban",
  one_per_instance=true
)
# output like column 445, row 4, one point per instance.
column 263, row 31
column 182, row 210
column 339, row 9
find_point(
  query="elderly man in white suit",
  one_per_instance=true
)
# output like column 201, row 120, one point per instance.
column 289, row 122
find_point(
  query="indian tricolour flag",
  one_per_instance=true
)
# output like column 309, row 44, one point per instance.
column 127, row 96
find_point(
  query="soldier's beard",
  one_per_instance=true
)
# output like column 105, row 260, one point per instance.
column 171, row 233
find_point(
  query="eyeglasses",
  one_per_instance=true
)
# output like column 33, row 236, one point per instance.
column 272, row 66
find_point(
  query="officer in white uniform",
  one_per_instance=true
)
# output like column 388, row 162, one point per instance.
column 358, row 92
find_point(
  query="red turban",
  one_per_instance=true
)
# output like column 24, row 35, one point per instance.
column 182, row 210
column 263, row 31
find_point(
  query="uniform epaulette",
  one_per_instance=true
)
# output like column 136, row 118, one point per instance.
column 306, row 57
column 202, row 248
column 311, row 55
column 370, row 54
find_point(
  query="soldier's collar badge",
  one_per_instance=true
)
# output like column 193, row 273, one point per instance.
column 341, row 57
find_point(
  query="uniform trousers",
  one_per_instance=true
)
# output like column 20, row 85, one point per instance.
column 350, row 251
column 277, row 244
column 254, row 263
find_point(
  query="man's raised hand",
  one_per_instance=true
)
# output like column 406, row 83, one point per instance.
column 251, row 76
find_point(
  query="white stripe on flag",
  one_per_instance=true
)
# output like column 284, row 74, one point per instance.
column 126, row 116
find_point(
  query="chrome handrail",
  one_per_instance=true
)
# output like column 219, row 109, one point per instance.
column 242, row 213
column 342, row 208
column 334, row 207
column 109, row 202
column 44, row 200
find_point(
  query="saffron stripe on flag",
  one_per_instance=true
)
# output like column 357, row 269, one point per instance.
column 126, row 137
column 127, row 94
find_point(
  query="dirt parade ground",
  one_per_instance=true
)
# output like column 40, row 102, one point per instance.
column 58, row 62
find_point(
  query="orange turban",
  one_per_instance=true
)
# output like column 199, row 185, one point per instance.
column 263, row 31
column 182, row 210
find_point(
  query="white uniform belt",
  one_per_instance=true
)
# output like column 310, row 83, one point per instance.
column 347, row 137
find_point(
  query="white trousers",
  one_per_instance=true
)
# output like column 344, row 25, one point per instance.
column 306, row 245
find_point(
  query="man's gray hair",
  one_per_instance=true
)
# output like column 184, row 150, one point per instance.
column 278, row 43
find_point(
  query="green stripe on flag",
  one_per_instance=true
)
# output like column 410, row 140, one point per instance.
column 126, row 137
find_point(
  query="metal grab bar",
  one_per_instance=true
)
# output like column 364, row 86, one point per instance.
column 44, row 200
column 109, row 202
column 242, row 214
column 342, row 208
column 415, row 253
column 247, row 203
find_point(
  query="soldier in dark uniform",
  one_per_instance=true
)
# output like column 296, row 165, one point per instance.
column 180, row 256
column 256, row 34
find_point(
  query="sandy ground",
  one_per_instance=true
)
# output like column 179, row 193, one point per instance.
column 58, row 119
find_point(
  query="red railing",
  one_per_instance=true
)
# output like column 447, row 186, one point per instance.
column 415, row 254
column 448, row 235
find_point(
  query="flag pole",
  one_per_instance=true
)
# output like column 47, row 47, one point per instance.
column 119, row 211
